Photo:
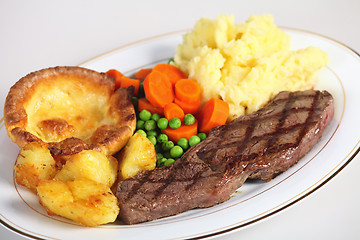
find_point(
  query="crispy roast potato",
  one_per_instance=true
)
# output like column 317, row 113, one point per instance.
column 33, row 164
column 90, row 164
column 138, row 155
column 82, row 200
column 71, row 109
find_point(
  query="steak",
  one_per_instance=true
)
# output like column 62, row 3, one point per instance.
column 260, row 145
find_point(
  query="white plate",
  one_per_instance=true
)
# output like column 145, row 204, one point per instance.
column 254, row 201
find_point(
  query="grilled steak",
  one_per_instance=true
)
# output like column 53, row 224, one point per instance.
column 259, row 145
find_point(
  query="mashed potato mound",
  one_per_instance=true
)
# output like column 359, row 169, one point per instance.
column 245, row 64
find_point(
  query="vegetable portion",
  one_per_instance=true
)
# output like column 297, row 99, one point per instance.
column 158, row 89
column 187, row 90
column 166, row 111
column 142, row 73
column 214, row 113
column 144, row 104
column 116, row 75
column 173, row 73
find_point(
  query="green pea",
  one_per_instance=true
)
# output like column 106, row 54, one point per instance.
column 169, row 161
column 150, row 125
column 202, row 136
column 155, row 117
column 175, row 123
column 142, row 132
column 145, row 115
column 159, row 156
column 189, row 119
column 162, row 138
column 176, row 152
column 183, row 143
column 140, row 124
column 171, row 60
column 193, row 140
column 152, row 133
column 166, row 146
column 161, row 162
column 152, row 139
column 162, row 123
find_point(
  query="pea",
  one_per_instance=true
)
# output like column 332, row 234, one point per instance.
column 145, row 115
column 142, row 132
column 176, row 152
column 152, row 133
column 166, row 146
column 155, row 117
column 152, row 139
column 171, row 60
column 189, row 119
column 169, row 161
column 159, row 156
column 193, row 140
column 150, row 125
column 162, row 138
column 202, row 136
column 175, row 123
column 161, row 162
column 140, row 124
column 183, row 143
column 162, row 123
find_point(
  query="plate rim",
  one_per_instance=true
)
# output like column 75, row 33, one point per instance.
column 224, row 230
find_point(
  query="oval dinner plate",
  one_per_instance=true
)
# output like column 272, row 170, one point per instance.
column 21, row 212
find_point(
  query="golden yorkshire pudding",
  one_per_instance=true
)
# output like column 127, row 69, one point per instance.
column 71, row 109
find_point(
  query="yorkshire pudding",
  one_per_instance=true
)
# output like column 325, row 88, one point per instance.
column 71, row 109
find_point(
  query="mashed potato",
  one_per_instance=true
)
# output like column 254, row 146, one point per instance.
column 245, row 64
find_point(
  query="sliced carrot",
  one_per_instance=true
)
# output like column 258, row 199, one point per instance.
column 158, row 89
column 144, row 104
column 116, row 75
column 189, row 107
column 127, row 82
column 142, row 73
column 172, row 110
column 187, row 90
column 173, row 73
column 214, row 113
column 185, row 131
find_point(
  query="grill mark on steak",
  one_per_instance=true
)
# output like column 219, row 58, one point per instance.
column 259, row 145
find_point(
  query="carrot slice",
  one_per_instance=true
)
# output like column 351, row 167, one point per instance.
column 173, row 73
column 158, row 89
column 142, row 73
column 185, row 131
column 116, row 75
column 144, row 104
column 187, row 90
column 172, row 110
column 189, row 107
column 214, row 113
column 126, row 82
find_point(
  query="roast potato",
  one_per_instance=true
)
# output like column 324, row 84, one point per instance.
column 33, row 164
column 138, row 155
column 82, row 200
column 71, row 109
column 90, row 164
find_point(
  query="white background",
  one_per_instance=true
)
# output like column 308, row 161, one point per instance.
column 40, row 34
